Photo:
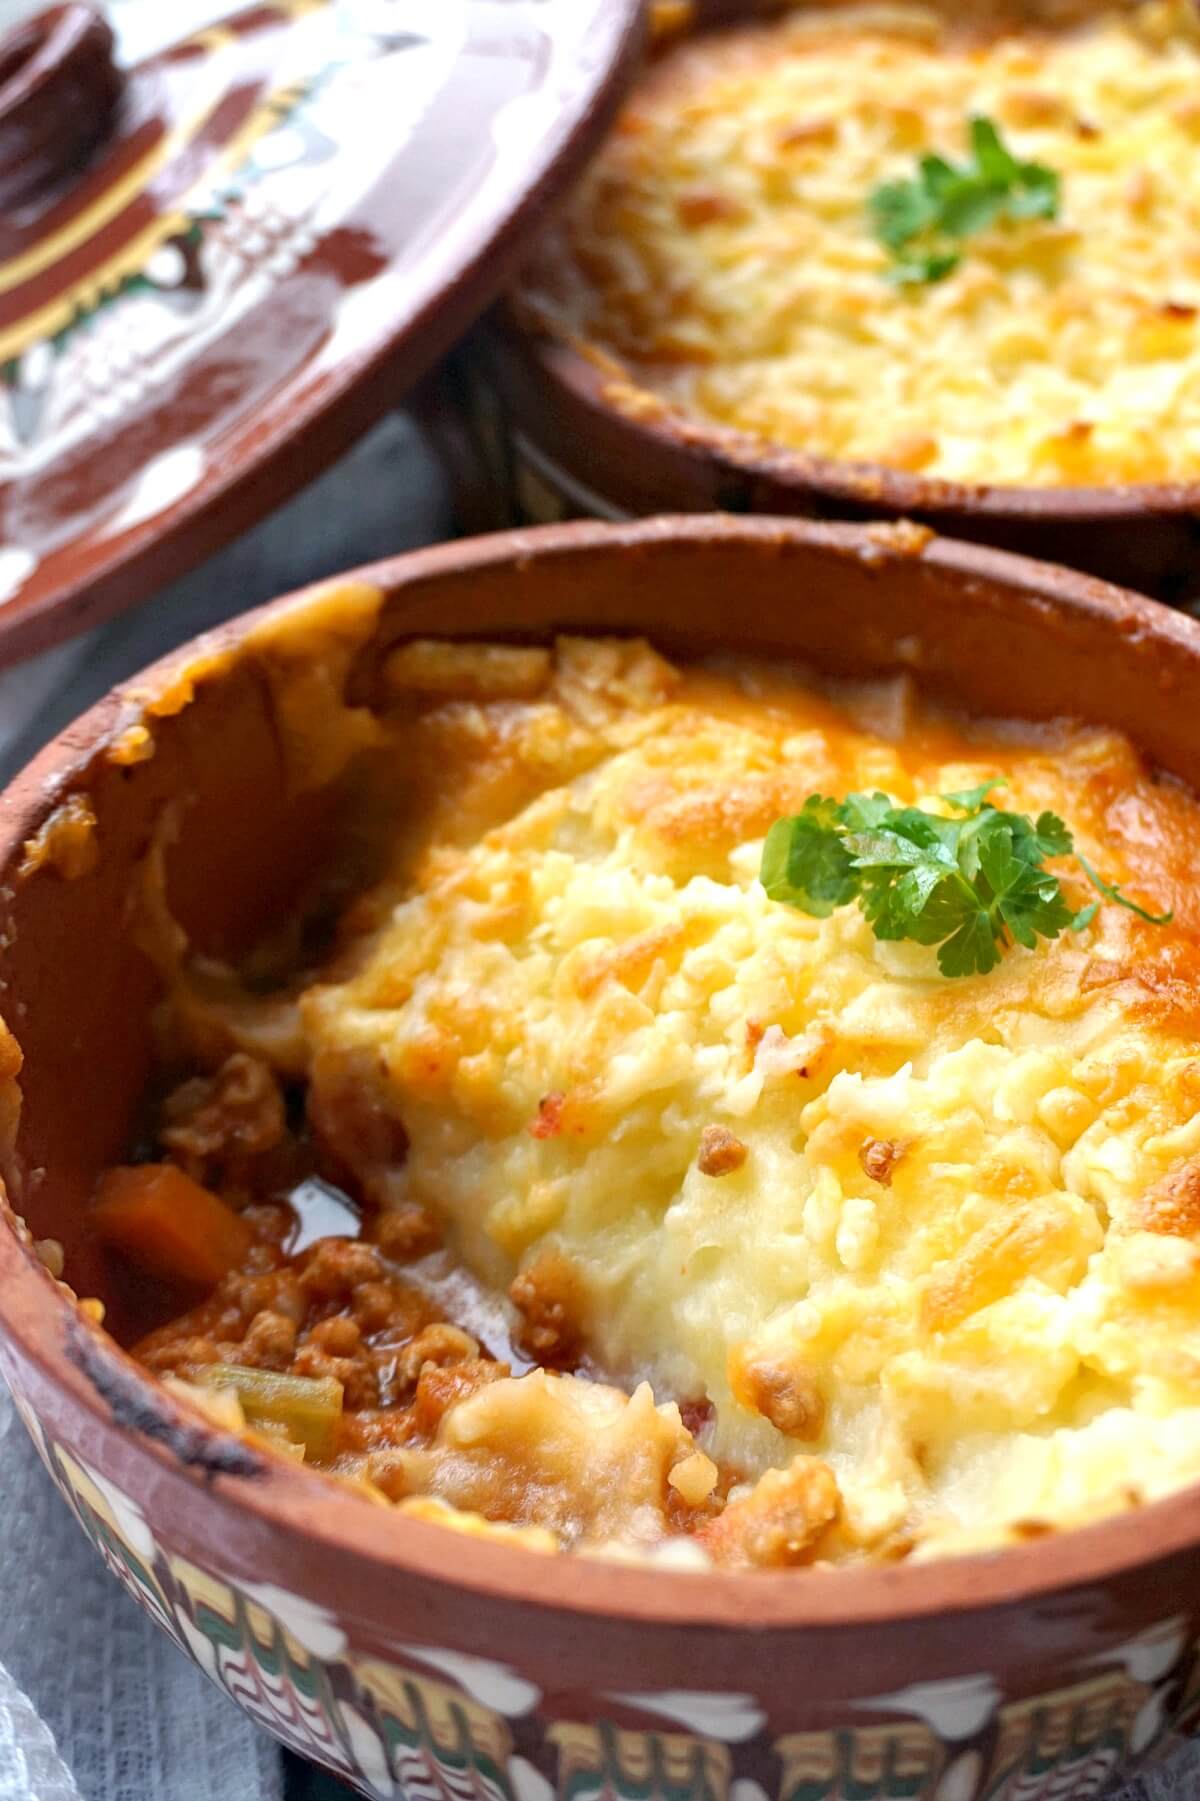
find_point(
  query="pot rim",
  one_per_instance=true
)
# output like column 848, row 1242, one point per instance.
column 41, row 1320
column 729, row 456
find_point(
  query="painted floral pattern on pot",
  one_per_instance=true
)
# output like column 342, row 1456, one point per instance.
column 432, row 1724
column 235, row 191
column 160, row 280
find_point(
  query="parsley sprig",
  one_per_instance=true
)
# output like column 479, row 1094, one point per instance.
column 922, row 221
column 971, row 881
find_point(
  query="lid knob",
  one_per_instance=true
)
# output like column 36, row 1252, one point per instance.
column 59, row 91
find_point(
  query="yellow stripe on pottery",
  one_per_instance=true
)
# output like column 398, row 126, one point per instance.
column 85, row 225
column 133, row 257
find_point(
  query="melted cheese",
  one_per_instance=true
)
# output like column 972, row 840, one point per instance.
column 955, row 1250
column 721, row 252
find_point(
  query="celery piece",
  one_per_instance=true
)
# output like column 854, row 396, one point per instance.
column 270, row 1432
column 306, row 1407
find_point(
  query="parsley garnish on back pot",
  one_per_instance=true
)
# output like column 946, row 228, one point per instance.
column 923, row 221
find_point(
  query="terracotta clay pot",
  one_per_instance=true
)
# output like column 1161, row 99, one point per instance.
column 533, row 430
column 412, row 1659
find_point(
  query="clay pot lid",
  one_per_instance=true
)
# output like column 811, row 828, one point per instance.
column 272, row 231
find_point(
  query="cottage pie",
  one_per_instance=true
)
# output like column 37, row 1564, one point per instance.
column 583, row 1192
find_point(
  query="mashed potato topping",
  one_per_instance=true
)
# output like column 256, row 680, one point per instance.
column 720, row 255
column 926, row 1249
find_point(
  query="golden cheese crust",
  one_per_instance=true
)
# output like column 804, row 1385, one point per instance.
column 719, row 257
column 935, row 1240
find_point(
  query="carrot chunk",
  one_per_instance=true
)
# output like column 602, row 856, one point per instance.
column 168, row 1225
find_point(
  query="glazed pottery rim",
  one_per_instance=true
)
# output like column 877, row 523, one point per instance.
column 48, row 1329
column 739, row 457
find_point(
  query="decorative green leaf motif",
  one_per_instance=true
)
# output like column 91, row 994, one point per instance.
column 972, row 881
column 922, row 221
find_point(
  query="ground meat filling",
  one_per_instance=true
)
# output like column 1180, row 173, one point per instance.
column 341, row 1313
column 338, row 1309
column 218, row 1128
column 329, row 1349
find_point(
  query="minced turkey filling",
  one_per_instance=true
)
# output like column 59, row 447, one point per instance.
column 783, row 1245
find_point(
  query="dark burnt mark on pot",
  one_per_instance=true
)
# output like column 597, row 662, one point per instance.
column 139, row 1410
